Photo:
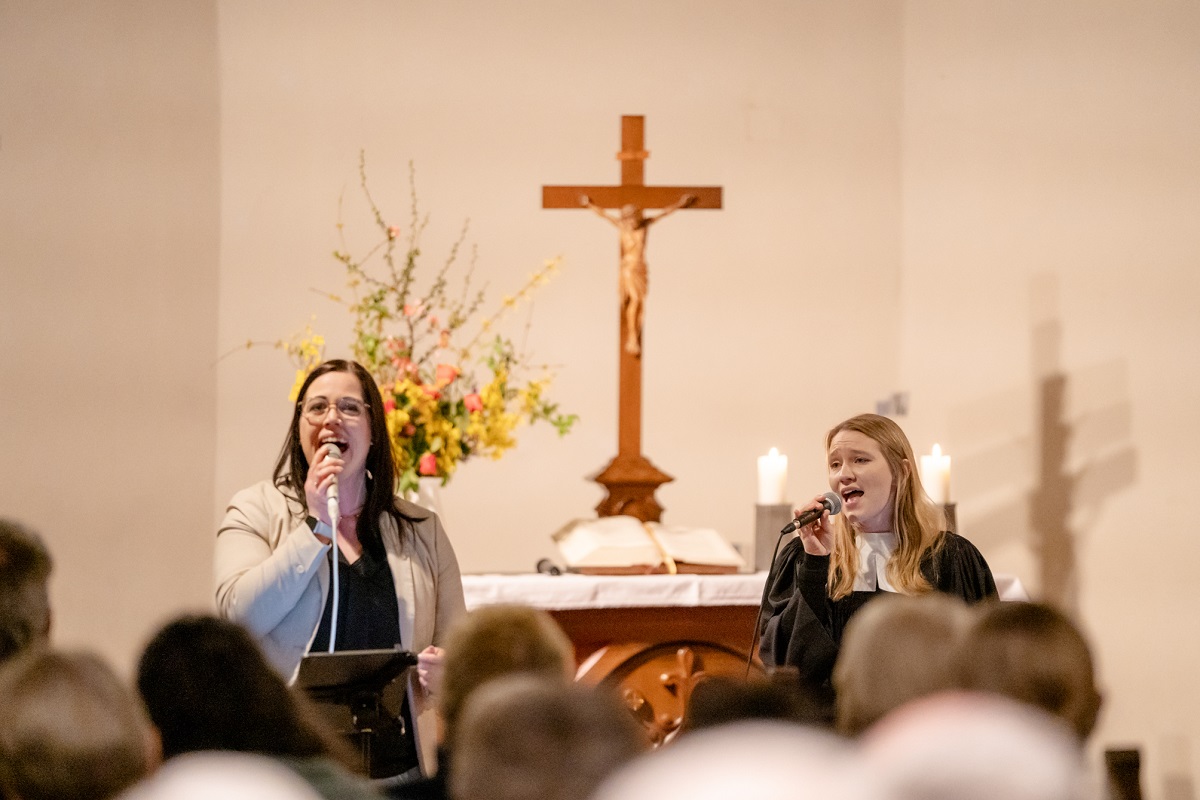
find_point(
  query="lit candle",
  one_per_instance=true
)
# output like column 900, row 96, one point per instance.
column 935, row 475
column 772, row 479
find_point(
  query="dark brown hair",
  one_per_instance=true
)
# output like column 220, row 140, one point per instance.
column 24, row 601
column 291, row 468
column 208, row 686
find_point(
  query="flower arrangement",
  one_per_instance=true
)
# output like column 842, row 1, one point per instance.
column 450, row 393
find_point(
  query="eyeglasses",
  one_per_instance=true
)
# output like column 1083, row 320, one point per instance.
column 315, row 409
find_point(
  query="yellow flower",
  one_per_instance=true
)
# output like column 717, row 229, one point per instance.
column 435, row 412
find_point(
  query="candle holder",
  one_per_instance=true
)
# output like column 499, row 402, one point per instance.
column 951, row 516
column 768, row 522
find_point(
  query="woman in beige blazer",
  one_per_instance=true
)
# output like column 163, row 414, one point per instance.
column 273, row 551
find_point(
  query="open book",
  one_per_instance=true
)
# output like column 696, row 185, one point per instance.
column 625, row 545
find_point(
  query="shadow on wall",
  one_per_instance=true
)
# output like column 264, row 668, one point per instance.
column 1036, row 471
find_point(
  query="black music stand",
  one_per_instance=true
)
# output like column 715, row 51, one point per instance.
column 356, row 680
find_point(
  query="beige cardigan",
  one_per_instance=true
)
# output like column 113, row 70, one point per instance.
column 264, row 568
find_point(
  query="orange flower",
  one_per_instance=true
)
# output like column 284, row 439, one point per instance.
column 427, row 465
column 446, row 373
column 473, row 402
column 389, row 405
column 393, row 231
column 412, row 309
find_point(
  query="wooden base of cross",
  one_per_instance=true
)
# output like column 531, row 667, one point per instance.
column 630, row 478
column 631, row 482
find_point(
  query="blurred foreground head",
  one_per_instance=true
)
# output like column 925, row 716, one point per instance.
column 494, row 641
column 896, row 649
column 24, row 594
column 223, row 776
column 535, row 737
column 70, row 729
column 754, row 760
column 959, row 745
column 1035, row 654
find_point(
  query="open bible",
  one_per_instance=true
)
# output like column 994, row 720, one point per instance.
column 622, row 545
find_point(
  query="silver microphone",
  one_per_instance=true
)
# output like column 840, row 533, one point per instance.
column 830, row 501
column 331, row 496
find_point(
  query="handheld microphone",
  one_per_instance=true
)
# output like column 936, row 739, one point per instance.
column 331, row 496
column 830, row 501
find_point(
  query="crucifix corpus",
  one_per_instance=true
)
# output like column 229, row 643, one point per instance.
column 630, row 478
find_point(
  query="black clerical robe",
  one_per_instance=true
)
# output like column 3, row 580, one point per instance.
column 802, row 628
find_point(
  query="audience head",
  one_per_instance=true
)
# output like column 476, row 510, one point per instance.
column 228, row 776
column 720, row 700
column 895, row 649
column 954, row 745
column 69, row 729
column 24, row 595
column 533, row 737
column 498, row 640
column 753, row 759
column 1032, row 653
column 207, row 686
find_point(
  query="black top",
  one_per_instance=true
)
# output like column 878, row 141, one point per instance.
column 369, row 619
column 802, row 628
column 368, row 612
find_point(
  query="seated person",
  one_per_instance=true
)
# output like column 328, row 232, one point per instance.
column 534, row 737
column 70, row 729
column 955, row 745
column 1035, row 654
column 208, row 686
column 24, row 597
column 895, row 650
column 720, row 700
column 754, row 759
column 489, row 643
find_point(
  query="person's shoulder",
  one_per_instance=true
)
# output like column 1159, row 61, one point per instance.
column 961, row 569
column 412, row 511
column 264, row 498
column 263, row 493
column 953, row 545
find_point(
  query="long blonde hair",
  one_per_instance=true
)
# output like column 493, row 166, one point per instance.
column 916, row 520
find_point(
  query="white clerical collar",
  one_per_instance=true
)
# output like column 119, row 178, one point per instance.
column 874, row 550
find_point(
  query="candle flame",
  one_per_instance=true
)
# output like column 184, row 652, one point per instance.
column 937, row 451
column 774, row 452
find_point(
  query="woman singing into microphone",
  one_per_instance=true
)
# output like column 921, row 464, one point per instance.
column 398, row 577
column 890, row 537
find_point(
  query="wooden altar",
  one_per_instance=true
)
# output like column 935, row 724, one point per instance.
column 650, row 637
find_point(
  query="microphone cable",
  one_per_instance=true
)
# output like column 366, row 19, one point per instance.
column 335, row 518
column 763, row 603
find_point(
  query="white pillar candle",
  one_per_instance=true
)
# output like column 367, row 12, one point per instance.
column 935, row 476
column 772, row 479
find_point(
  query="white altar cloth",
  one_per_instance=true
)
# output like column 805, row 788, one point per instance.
column 573, row 592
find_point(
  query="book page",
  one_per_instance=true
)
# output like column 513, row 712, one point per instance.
column 618, row 541
column 696, row 545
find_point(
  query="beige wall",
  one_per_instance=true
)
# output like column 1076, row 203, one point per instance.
column 988, row 205
column 1051, row 192
column 109, row 192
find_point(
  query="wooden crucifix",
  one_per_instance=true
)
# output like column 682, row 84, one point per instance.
column 630, row 478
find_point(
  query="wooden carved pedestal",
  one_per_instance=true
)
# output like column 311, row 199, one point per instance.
column 653, row 657
column 656, row 681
